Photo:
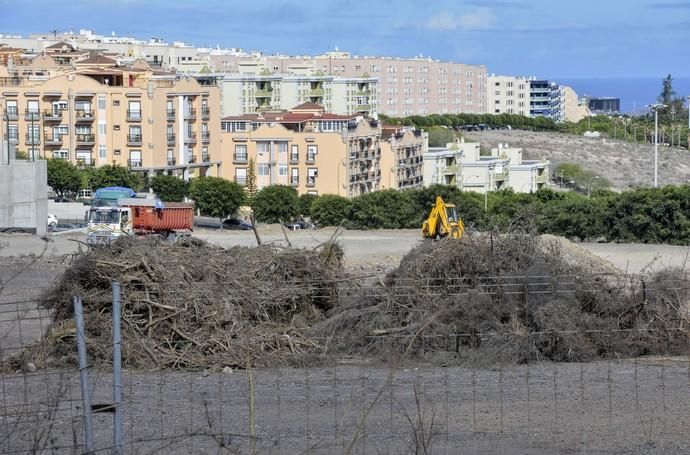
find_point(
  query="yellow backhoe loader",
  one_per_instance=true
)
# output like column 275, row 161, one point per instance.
column 443, row 221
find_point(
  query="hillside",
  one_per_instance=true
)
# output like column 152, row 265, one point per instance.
column 625, row 165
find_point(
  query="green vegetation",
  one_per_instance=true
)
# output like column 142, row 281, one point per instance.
column 439, row 136
column 215, row 196
column 462, row 120
column 276, row 203
column 169, row 188
column 305, row 201
column 573, row 174
column 646, row 215
column 63, row 177
column 114, row 175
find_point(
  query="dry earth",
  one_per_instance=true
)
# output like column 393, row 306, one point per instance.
column 625, row 165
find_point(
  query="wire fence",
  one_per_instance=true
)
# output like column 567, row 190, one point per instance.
column 433, row 402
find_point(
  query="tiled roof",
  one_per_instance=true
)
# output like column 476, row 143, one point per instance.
column 96, row 59
column 308, row 106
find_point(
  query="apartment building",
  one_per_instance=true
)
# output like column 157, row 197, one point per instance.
column 406, row 86
column 407, row 146
column 101, row 113
column 313, row 151
column 508, row 95
column 461, row 164
column 253, row 93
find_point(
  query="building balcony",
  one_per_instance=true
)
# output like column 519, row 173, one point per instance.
column 205, row 113
column 134, row 164
column 205, row 158
column 205, row 136
column 32, row 139
column 294, row 181
column 543, row 178
column 316, row 92
column 190, row 138
column 134, row 139
column 172, row 161
column 52, row 116
column 85, row 162
column 133, row 116
column 170, row 114
column 452, row 170
column 83, row 116
column 263, row 93
column 53, row 140
column 190, row 114
column 11, row 114
column 362, row 107
column 499, row 177
column 311, row 159
column 86, row 139
column 239, row 158
column 363, row 92
column 32, row 115
column 191, row 159
column 171, row 138
column 14, row 140
column 311, row 182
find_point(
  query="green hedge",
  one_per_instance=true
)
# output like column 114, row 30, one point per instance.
column 645, row 215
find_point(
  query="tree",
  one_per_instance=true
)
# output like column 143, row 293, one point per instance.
column 169, row 188
column 115, row 175
column 305, row 202
column 216, row 197
column 667, row 93
column 63, row 177
column 250, row 186
column 276, row 203
column 440, row 136
column 330, row 210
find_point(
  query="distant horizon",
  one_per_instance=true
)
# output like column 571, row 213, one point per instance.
column 513, row 37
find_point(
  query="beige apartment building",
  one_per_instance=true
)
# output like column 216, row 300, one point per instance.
column 508, row 95
column 306, row 148
column 407, row 146
column 100, row 113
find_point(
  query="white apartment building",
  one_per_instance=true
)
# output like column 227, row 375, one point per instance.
column 508, row 95
column 252, row 93
column 461, row 164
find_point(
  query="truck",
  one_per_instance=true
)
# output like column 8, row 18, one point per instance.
column 139, row 217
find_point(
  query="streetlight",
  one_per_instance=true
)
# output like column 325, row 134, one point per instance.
column 655, row 108
column 589, row 186
column 337, row 173
column 688, row 122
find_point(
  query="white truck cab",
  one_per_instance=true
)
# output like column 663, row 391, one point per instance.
column 107, row 224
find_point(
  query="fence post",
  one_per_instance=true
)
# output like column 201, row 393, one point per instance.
column 84, row 376
column 118, row 434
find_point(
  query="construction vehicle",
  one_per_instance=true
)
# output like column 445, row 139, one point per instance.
column 443, row 221
column 139, row 217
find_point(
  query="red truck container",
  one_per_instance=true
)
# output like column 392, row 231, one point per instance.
column 174, row 217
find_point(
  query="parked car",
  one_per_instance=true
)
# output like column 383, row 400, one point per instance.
column 52, row 221
column 237, row 224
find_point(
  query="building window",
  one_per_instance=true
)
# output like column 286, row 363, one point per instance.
column 294, row 153
column 241, row 175
column 282, row 170
column 13, row 131
column 240, row 152
column 312, row 150
column 294, row 176
column 101, row 102
column 60, row 154
column 12, row 108
column 134, row 110
column 263, row 169
column 134, row 158
column 116, row 102
column 312, row 173
column 102, row 152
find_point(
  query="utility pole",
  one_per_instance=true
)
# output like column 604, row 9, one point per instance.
column 655, row 108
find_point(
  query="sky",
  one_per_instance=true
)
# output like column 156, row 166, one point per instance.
column 543, row 38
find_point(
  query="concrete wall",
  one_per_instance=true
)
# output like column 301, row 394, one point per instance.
column 67, row 210
column 24, row 190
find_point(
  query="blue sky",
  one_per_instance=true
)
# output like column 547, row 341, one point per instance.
column 546, row 38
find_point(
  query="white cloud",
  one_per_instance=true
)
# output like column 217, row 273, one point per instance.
column 478, row 19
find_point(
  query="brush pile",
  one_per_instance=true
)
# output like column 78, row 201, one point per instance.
column 195, row 306
column 512, row 299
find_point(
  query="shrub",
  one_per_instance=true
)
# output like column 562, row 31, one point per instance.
column 389, row 209
column 305, row 202
column 215, row 196
column 169, row 188
column 276, row 203
column 330, row 210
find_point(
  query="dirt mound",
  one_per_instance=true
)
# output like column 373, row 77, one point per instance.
column 194, row 306
column 512, row 298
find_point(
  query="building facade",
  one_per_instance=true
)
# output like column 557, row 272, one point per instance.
column 313, row 151
column 407, row 146
column 461, row 164
column 508, row 95
column 101, row 113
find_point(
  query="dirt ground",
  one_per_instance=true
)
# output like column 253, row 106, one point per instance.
column 625, row 165
column 635, row 406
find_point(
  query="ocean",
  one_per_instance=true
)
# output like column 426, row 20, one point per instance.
column 635, row 93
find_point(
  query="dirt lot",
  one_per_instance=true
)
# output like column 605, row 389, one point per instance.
column 615, row 407
column 625, row 165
